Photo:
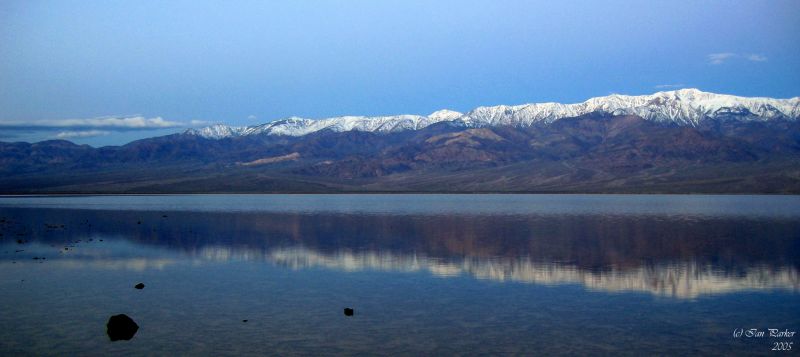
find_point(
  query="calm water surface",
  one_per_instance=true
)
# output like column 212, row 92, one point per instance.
column 426, row 274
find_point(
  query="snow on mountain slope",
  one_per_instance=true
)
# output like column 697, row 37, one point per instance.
column 300, row 126
column 683, row 107
column 217, row 131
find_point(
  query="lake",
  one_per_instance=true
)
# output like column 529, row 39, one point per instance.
column 425, row 274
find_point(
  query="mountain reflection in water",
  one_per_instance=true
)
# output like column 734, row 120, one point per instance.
column 681, row 280
column 681, row 256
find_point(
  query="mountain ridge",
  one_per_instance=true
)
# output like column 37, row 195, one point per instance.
column 682, row 107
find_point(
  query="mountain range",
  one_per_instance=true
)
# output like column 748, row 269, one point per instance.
column 681, row 107
column 684, row 141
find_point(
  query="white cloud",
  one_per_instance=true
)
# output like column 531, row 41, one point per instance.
column 252, row 117
column 720, row 58
column 102, row 129
column 670, row 86
column 118, row 123
column 81, row 134
column 755, row 57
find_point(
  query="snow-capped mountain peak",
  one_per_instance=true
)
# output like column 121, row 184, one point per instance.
column 216, row 131
column 688, row 106
column 444, row 115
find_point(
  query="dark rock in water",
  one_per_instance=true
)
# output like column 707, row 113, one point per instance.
column 165, row 216
column 348, row 311
column 139, row 222
column 139, row 286
column 121, row 327
column 244, row 320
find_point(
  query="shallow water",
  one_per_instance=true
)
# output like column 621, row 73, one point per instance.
column 426, row 274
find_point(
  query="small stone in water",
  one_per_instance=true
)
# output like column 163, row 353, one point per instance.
column 348, row 311
column 121, row 327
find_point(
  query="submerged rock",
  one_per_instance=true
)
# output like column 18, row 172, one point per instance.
column 139, row 286
column 348, row 311
column 121, row 327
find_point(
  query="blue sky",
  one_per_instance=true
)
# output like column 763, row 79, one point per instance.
column 107, row 72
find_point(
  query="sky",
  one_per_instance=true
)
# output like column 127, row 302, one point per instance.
column 108, row 72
